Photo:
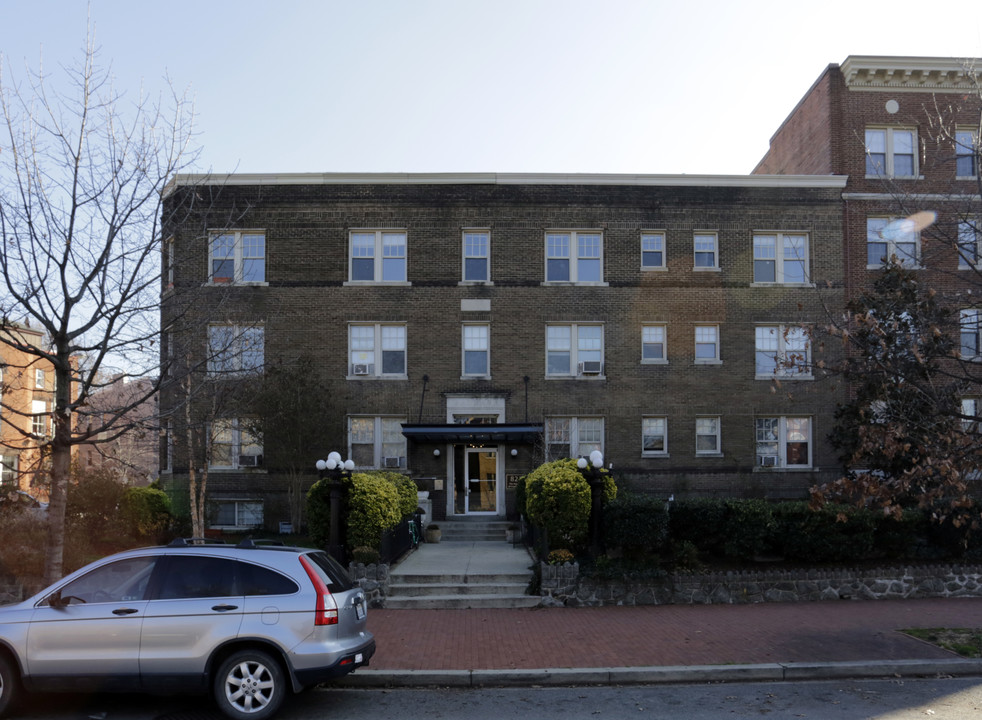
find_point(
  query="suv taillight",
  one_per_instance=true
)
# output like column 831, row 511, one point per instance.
column 327, row 609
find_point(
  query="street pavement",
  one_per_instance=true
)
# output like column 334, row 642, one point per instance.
column 664, row 643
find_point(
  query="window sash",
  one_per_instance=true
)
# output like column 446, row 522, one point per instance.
column 569, row 345
column 574, row 257
column 707, row 343
column 781, row 350
column 783, row 442
column 886, row 238
column 236, row 348
column 378, row 256
column 707, row 435
column 652, row 250
column 385, row 342
column 970, row 344
column 652, row 343
column 476, row 350
column 372, row 438
column 891, row 152
column 968, row 243
column 654, row 436
column 704, row 249
column 966, row 154
column 238, row 257
column 476, row 256
column 573, row 436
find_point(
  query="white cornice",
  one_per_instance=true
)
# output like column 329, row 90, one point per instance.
column 912, row 74
column 747, row 181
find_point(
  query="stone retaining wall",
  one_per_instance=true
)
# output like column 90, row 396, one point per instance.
column 373, row 579
column 562, row 586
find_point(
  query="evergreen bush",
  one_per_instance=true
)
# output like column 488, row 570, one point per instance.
column 636, row 523
column 558, row 500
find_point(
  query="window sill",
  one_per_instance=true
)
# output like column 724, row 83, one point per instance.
column 372, row 283
column 781, row 285
column 376, row 377
column 708, row 362
column 654, row 268
column 576, row 377
column 709, row 455
column 793, row 468
column 884, row 176
column 707, row 269
column 475, row 283
column 249, row 470
column 474, row 377
column 655, row 455
column 211, row 283
column 909, row 267
column 654, row 362
column 784, row 378
column 572, row 283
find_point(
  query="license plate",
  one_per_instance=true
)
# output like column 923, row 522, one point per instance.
column 360, row 611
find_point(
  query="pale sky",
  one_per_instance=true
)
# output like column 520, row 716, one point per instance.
column 550, row 86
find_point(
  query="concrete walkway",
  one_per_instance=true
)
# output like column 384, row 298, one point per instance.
column 465, row 558
column 650, row 644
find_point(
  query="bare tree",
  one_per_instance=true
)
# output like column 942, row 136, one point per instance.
column 81, row 174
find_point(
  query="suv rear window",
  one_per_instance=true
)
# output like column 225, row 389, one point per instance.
column 331, row 572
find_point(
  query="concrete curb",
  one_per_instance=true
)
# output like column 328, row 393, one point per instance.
column 767, row 672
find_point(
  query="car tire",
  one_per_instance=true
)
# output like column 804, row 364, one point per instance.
column 250, row 685
column 10, row 690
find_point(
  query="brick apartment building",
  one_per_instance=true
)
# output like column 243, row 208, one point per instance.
column 26, row 400
column 469, row 327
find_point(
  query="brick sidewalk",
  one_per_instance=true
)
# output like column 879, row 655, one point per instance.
column 662, row 635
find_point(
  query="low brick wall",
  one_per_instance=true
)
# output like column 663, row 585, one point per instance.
column 562, row 586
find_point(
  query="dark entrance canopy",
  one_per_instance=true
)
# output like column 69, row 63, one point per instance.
column 512, row 433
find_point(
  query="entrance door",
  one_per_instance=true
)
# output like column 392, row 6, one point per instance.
column 478, row 492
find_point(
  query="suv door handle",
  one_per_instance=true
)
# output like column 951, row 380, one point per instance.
column 124, row 611
column 224, row 608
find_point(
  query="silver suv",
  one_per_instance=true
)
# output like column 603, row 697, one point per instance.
column 250, row 623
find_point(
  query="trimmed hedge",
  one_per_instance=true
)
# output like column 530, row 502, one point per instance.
column 637, row 524
column 376, row 502
column 557, row 498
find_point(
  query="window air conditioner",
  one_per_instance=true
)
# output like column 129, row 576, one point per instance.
column 391, row 462
column 591, row 367
column 250, row 460
column 363, row 369
column 767, row 460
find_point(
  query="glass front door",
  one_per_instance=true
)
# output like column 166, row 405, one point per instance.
column 476, row 488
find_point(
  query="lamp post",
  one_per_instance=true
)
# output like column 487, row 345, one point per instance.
column 339, row 470
column 591, row 471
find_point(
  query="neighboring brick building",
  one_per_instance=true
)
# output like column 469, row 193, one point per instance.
column 470, row 326
column 26, row 397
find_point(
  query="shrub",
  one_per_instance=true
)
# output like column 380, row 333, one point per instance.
column 636, row 523
column 373, row 506
column 558, row 500
column 699, row 521
column 319, row 512
column 146, row 513
column 404, row 485
column 91, row 510
column 750, row 529
column 561, row 556
column 832, row 533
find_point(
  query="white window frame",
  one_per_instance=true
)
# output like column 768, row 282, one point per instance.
column 244, row 509
column 168, row 464
column 574, row 256
column 9, row 476
column 705, row 242
column 379, row 446
column 576, row 348
column 778, row 252
column 648, row 429
column 701, row 337
column 891, row 243
column 784, row 350
column 969, row 243
column 785, row 427
column 379, row 258
column 383, row 339
column 39, row 418
column 890, row 136
column 970, row 327
column 169, row 262
column 966, row 146
column 239, row 258
column 475, row 338
column 650, row 333
column 239, row 439
column 242, row 343
column 716, row 433
column 971, row 407
column 469, row 251
column 580, row 433
column 653, row 241
column 39, row 378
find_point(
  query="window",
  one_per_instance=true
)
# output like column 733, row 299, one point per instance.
column 168, row 464
column 969, row 234
column 888, row 237
column 238, row 513
column 234, row 445
column 236, row 257
column 971, row 347
column 39, row 379
column 370, row 344
column 966, row 154
column 477, row 256
column 8, row 472
column 377, row 442
column 652, row 250
column 477, row 361
column 235, row 348
column 654, row 436
column 890, row 152
column 169, row 264
column 571, row 437
column 574, row 257
column 970, row 412
column 378, row 256
column 39, row 418
column 784, row 442
column 707, row 344
column 121, row 581
column 782, row 350
column 707, row 436
column 780, row 258
column 653, row 344
column 574, row 350
column 704, row 246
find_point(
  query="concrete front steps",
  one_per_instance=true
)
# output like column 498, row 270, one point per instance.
column 471, row 567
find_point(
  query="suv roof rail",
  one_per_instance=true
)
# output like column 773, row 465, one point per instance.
column 250, row 543
column 187, row 542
